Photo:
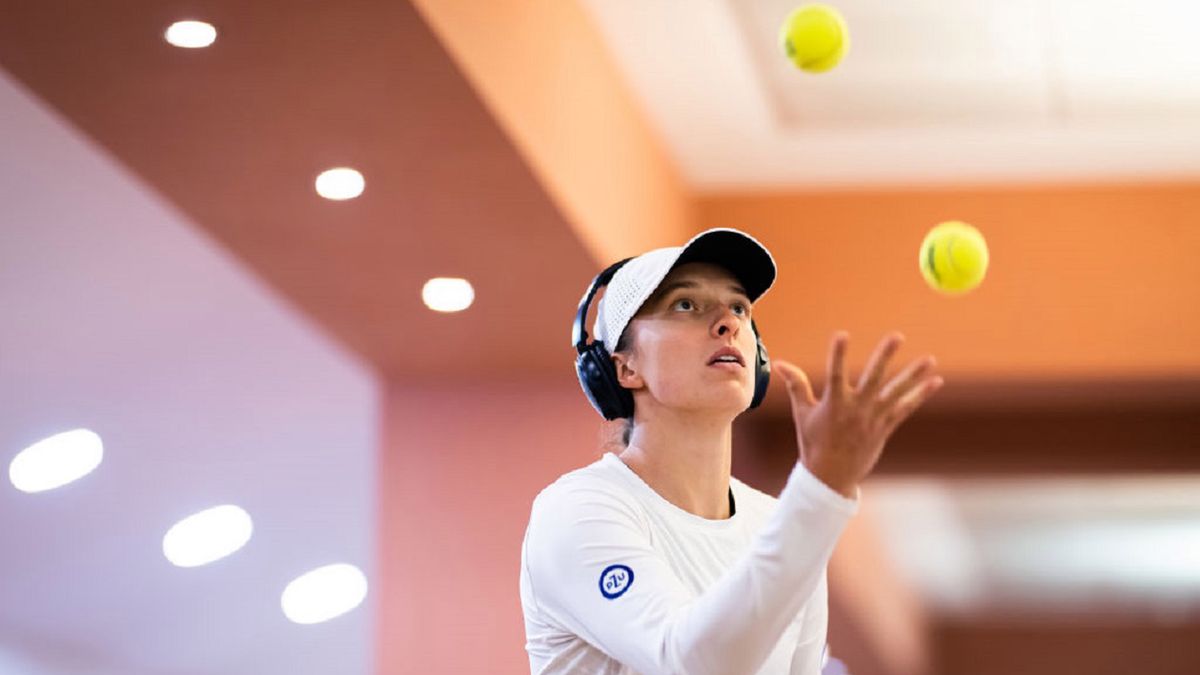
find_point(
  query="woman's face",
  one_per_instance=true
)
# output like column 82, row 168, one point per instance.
column 698, row 309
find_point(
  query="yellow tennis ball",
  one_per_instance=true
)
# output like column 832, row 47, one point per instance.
column 814, row 37
column 954, row 257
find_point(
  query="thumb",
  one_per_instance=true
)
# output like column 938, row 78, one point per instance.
column 798, row 386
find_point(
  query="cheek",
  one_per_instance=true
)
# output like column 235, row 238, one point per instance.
column 670, row 372
column 663, row 368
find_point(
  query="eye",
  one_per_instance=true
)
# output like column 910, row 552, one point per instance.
column 741, row 306
column 683, row 301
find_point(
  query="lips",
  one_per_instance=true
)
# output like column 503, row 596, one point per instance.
column 727, row 352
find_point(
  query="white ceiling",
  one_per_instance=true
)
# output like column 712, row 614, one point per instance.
column 930, row 92
column 206, row 389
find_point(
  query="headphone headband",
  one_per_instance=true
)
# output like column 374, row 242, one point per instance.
column 579, row 334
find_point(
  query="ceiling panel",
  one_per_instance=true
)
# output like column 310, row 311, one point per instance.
column 942, row 93
column 913, row 64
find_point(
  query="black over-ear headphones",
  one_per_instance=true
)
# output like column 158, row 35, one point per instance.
column 598, row 376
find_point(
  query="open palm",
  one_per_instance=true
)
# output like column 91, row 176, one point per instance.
column 841, row 436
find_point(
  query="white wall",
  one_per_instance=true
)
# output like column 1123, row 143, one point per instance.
column 119, row 315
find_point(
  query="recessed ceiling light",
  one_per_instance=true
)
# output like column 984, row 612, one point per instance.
column 324, row 593
column 442, row 294
column 55, row 461
column 191, row 34
column 208, row 535
column 340, row 183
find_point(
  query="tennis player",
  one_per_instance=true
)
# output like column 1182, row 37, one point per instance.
column 654, row 559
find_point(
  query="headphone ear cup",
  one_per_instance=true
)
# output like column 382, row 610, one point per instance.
column 598, row 378
column 762, row 373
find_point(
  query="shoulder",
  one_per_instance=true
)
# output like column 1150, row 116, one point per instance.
column 595, row 490
column 584, row 513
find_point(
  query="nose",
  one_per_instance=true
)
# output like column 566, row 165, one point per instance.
column 727, row 322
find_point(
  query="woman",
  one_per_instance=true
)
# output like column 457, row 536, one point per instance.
column 657, row 560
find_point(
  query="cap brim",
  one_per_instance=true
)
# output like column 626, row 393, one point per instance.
column 745, row 258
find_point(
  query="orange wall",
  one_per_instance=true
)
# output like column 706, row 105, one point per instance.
column 542, row 69
column 461, row 465
column 1084, row 283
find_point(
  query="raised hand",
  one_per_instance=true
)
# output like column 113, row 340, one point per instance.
column 841, row 436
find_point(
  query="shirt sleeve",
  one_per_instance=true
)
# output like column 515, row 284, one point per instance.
column 592, row 570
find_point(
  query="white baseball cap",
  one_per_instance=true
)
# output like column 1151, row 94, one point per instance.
column 746, row 259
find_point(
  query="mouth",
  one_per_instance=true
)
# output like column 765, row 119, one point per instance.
column 727, row 357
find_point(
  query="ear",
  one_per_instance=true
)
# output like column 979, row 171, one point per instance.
column 627, row 374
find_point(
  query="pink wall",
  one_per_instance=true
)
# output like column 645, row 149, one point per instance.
column 462, row 462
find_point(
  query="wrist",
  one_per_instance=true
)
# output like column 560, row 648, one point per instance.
column 834, row 477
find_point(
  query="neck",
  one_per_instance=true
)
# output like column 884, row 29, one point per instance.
column 685, row 456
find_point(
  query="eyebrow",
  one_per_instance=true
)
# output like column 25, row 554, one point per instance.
column 666, row 290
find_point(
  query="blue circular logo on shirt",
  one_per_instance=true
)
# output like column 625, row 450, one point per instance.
column 615, row 580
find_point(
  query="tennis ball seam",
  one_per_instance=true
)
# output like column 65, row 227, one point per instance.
column 931, row 261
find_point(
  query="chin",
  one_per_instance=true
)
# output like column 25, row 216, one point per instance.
column 716, row 397
column 733, row 404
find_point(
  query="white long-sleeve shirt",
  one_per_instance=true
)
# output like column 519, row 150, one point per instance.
column 616, row 580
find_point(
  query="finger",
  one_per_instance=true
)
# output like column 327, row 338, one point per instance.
column 837, row 358
column 903, row 382
column 877, row 365
column 798, row 386
column 909, row 403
